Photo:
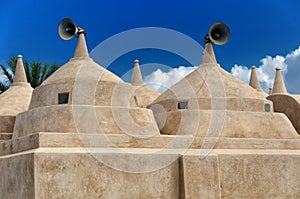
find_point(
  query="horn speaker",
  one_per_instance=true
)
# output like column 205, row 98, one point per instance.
column 219, row 33
column 67, row 29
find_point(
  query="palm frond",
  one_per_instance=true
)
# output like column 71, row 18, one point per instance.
column 35, row 73
column 51, row 70
column 3, row 87
column 44, row 73
column 27, row 70
column 6, row 73
column 12, row 63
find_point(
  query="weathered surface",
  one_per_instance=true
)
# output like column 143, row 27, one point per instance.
column 232, row 124
column 289, row 105
column 218, row 104
column 75, row 173
column 103, row 143
column 86, row 119
column 243, row 174
column 80, row 175
column 7, row 124
column 17, row 176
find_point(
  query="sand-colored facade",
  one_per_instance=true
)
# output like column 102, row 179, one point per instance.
column 84, row 133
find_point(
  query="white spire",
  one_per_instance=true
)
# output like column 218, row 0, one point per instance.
column 136, row 79
column 209, row 55
column 81, row 48
column 20, row 75
column 279, row 87
column 254, row 83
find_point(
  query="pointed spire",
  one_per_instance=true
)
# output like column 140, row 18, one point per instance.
column 20, row 75
column 136, row 79
column 81, row 48
column 279, row 87
column 209, row 55
column 254, row 83
column 270, row 91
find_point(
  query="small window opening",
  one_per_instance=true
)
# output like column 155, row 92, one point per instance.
column 267, row 108
column 183, row 105
column 135, row 100
column 63, row 98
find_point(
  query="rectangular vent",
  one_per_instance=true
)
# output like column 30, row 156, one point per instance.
column 267, row 108
column 183, row 105
column 63, row 98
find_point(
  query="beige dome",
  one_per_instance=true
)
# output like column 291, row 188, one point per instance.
column 84, row 97
column 17, row 98
column 13, row 101
column 210, row 81
column 210, row 98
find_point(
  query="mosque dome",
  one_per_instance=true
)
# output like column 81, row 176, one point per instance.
column 17, row 98
column 14, row 100
column 191, row 105
column 83, row 93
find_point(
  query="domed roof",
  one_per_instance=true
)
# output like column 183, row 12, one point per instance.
column 81, row 60
column 213, row 103
column 209, row 81
column 17, row 98
column 78, row 71
column 84, row 97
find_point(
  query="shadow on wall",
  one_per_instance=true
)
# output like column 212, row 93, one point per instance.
column 289, row 105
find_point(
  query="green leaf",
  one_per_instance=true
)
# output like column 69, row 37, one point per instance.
column 44, row 73
column 3, row 87
column 12, row 63
column 35, row 73
column 27, row 68
column 51, row 70
column 6, row 73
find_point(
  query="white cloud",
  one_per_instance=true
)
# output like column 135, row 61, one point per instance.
column 289, row 64
column 241, row 72
column 265, row 72
column 160, row 80
column 292, row 77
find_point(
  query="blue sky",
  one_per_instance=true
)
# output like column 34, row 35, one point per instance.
column 259, row 28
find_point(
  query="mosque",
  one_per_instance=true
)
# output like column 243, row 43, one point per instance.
column 85, row 133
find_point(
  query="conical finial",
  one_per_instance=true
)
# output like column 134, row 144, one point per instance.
column 270, row 91
column 254, row 83
column 279, row 87
column 81, row 48
column 20, row 75
column 209, row 55
column 136, row 79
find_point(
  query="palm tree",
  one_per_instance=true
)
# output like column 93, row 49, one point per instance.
column 36, row 72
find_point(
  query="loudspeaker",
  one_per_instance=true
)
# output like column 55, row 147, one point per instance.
column 67, row 29
column 219, row 33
